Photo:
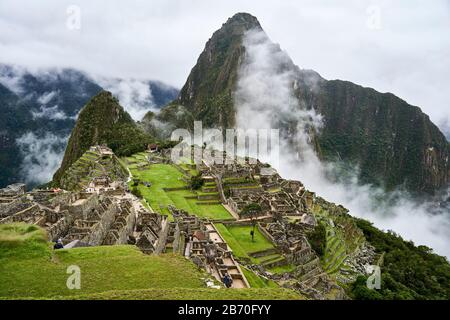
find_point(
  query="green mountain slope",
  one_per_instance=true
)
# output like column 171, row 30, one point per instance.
column 392, row 142
column 408, row 271
column 102, row 121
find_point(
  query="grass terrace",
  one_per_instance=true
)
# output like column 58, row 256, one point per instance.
column 339, row 244
column 166, row 176
column 240, row 242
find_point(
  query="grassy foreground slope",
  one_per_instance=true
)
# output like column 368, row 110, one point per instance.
column 31, row 269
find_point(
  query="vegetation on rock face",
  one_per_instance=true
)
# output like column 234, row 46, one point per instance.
column 392, row 142
column 318, row 239
column 196, row 182
column 89, row 166
column 208, row 92
column 407, row 271
column 103, row 121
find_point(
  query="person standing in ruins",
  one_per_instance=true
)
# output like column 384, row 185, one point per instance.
column 58, row 245
column 227, row 281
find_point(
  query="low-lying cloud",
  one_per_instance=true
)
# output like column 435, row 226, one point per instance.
column 51, row 113
column 42, row 156
column 265, row 98
column 134, row 95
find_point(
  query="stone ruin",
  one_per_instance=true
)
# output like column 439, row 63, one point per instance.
column 308, row 277
column 87, row 218
column 198, row 239
column 10, row 199
column 152, row 230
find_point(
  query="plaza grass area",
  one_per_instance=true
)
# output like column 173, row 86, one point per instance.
column 162, row 176
column 240, row 241
column 31, row 269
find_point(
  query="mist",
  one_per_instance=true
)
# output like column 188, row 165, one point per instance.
column 134, row 95
column 265, row 99
column 42, row 156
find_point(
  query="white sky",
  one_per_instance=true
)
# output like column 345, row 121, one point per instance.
column 406, row 51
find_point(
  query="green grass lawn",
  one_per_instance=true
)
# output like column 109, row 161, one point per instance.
column 30, row 269
column 212, row 211
column 264, row 293
column 242, row 235
column 240, row 241
column 282, row 269
column 167, row 176
column 160, row 176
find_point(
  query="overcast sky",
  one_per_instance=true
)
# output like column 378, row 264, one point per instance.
column 400, row 46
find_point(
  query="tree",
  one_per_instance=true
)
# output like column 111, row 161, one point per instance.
column 252, row 210
column 196, row 182
column 318, row 239
column 136, row 192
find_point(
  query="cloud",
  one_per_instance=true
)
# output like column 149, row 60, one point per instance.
column 46, row 97
column 42, row 156
column 134, row 95
column 408, row 55
column 10, row 77
column 51, row 113
column 265, row 95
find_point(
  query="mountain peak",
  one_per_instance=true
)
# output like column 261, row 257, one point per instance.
column 215, row 73
column 243, row 20
column 102, row 121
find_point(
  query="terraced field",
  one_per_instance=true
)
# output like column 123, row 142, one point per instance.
column 338, row 244
column 260, row 251
column 168, row 186
column 88, row 166
column 335, row 254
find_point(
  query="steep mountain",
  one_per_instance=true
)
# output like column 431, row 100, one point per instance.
column 102, row 121
column 391, row 142
column 208, row 92
column 39, row 109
